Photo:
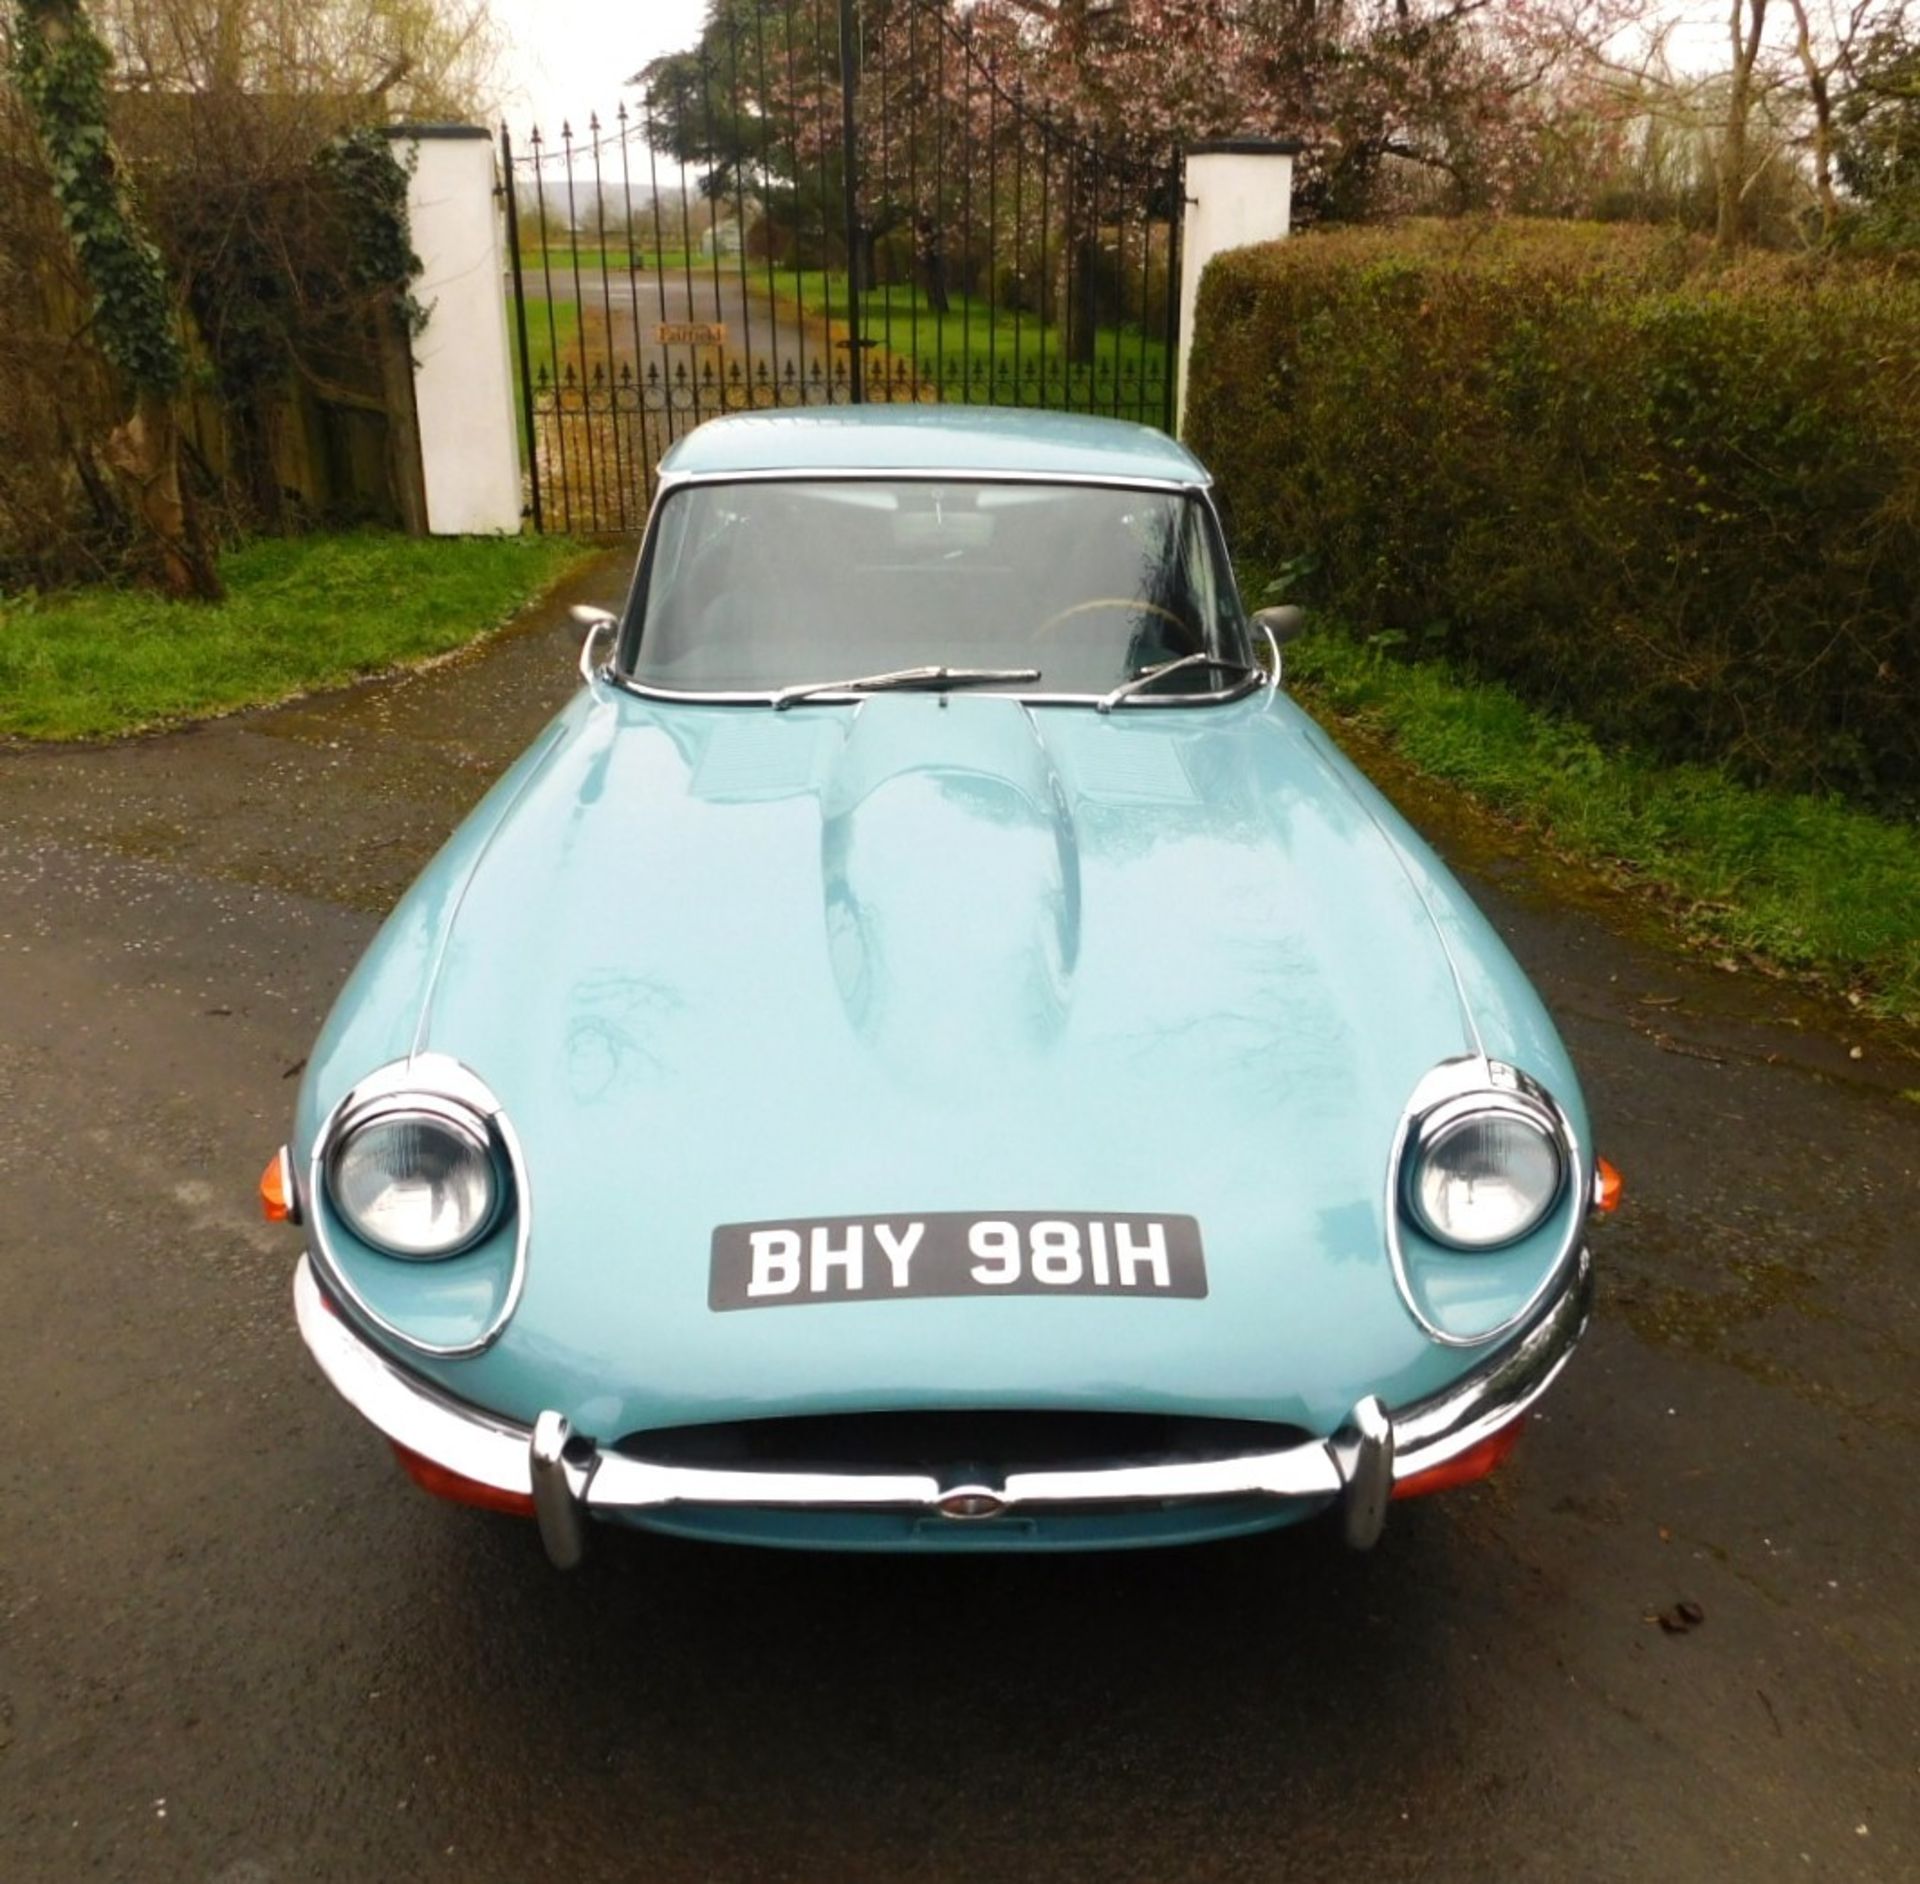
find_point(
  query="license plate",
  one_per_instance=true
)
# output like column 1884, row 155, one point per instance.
column 883, row 1259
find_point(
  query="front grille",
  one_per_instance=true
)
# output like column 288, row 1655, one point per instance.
column 958, row 1444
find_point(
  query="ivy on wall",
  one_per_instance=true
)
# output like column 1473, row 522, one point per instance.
column 60, row 66
column 372, row 187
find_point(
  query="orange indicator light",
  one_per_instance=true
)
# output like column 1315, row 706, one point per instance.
column 1608, row 1186
column 1475, row 1463
column 275, row 1205
column 443, row 1483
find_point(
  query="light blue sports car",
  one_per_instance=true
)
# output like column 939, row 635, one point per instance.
column 933, row 1049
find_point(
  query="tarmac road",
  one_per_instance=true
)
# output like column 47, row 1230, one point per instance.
column 235, row 1645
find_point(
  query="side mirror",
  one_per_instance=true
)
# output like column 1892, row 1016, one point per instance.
column 1285, row 623
column 596, row 621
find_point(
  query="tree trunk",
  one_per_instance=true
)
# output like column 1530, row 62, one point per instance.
column 933, row 266
column 1820, row 96
column 1076, row 242
column 1730, row 195
column 145, row 452
column 1083, row 321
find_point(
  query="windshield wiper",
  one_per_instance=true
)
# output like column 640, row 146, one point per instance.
column 1148, row 675
column 906, row 677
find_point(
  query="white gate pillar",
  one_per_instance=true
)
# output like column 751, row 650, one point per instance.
column 462, row 374
column 1238, row 191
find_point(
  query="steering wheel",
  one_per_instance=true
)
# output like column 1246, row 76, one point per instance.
column 1133, row 604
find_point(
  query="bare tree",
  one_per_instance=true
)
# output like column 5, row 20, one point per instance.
column 1826, row 44
column 1746, row 35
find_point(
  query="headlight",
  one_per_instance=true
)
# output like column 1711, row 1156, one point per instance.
column 1482, row 1176
column 416, row 1177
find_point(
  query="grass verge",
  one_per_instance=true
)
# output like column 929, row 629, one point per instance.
column 300, row 612
column 1812, row 885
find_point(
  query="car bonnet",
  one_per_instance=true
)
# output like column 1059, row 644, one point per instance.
column 946, row 954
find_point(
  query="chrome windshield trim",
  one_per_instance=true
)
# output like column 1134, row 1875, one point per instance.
column 680, row 696
column 425, row 1076
column 1345, row 1467
column 924, row 474
column 1200, row 488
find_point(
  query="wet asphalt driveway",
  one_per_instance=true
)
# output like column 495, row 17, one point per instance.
column 236, row 1645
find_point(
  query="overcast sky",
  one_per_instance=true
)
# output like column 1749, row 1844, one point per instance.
column 568, row 57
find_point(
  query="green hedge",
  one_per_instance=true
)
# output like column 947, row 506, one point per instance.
column 1679, row 502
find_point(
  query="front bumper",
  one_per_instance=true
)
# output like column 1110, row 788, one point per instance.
column 569, row 1479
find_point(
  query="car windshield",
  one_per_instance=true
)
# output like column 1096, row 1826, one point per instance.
column 762, row 586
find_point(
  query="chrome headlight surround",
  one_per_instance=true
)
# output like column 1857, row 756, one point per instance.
column 1455, row 1093
column 1446, row 1124
column 438, row 1085
column 468, row 1138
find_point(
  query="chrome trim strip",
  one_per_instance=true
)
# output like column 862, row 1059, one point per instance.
column 427, row 1075
column 1363, row 1450
column 1372, row 1450
column 924, row 474
column 1495, row 1394
column 622, row 1483
column 668, row 482
column 675, row 696
column 1502, row 1086
column 405, row 1408
column 563, row 1528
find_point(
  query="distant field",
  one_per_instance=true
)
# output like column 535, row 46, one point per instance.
column 981, row 353
column 558, row 261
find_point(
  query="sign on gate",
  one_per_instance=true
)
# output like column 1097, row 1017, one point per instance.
column 690, row 334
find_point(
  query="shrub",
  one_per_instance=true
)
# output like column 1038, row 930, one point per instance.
column 1678, row 501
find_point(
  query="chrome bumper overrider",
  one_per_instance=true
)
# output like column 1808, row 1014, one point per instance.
column 570, row 1479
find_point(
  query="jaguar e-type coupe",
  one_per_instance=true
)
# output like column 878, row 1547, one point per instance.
column 933, row 1048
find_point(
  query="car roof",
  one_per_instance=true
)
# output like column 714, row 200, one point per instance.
column 977, row 440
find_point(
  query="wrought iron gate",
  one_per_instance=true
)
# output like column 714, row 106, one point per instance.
column 825, row 201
